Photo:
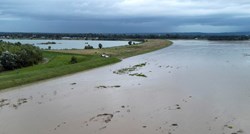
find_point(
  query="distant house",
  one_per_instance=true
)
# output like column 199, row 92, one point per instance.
column 65, row 38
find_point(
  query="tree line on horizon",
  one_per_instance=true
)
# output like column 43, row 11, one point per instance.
column 137, row 37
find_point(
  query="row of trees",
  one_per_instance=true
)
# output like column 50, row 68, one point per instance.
column 17, row 55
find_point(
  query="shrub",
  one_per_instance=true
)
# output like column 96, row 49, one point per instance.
column 29, row 55
column 100, row 45
column 1, row 68
column 16, row 55
column 130, row 42
column 9, row 60
column 73, row 60
column 88, row 47
column 18, row 43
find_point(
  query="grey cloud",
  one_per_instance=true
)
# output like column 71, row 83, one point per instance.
column 123, row 15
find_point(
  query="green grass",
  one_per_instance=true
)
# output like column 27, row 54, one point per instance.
column 58, row 65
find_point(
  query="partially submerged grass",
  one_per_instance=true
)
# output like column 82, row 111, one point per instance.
column 57, row 62
column 138, row 74
column 129, row 69
column 115, row 86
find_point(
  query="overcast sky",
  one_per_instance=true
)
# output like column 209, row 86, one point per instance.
column 124, row 16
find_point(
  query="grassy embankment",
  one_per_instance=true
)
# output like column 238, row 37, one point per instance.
column 59, row 62
column 122, row 52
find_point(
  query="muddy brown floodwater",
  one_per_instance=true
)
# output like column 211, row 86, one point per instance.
column 192, row 87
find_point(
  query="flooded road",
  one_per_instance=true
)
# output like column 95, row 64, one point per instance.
column 190, row 87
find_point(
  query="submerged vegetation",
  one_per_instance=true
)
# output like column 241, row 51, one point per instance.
column 48, row 43
column 138, row 74
column 132, row 69
column 129, row 69
column 115, row 86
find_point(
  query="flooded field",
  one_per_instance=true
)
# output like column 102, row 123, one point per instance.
column 191, row 87
column 68, row 44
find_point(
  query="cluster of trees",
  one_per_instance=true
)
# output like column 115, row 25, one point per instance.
column 17, row 55
column 91, row 47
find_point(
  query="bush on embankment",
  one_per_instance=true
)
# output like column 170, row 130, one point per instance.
column 17, row 55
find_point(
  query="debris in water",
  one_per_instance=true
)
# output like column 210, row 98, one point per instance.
column 102, row 128
column 73, row 83
column 115, row 86
column 175, row 124
column 102, row 117
column 138, row 74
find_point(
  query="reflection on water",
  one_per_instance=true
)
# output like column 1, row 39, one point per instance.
column 191, row 87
